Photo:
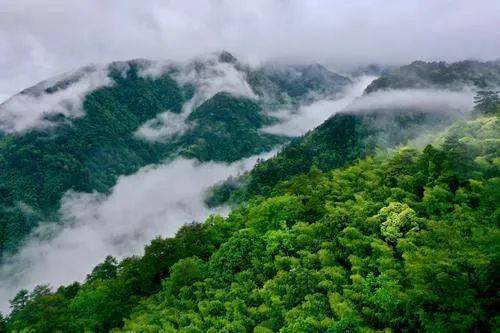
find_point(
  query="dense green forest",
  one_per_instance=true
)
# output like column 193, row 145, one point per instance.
column 227, row 129
column 89, row 153
column 340, row 232
column 406, row 240
column 340, row 140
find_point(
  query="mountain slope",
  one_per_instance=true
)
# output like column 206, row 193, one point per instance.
column 339, row 141
column 83, row 130
column 370, row 123
column 87, row 154
column 227, row 129
column 403, row 241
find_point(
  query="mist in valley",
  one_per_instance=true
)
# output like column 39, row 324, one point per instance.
column 155, row 201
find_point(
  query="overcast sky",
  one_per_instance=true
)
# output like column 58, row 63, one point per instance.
column 41, row 38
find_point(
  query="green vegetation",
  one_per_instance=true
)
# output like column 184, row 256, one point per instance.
column 295, row 84
column 336, row 234
column 404, row 241
column 226, row 128
column 337, row 142
column 487, row 102
column 87, row 154
column 347, row 137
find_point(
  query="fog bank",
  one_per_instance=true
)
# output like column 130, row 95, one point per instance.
column 434, row 100
column 306, row 117
column 31, row 109
column 157, row 200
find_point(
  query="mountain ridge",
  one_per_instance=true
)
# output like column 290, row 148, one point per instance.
column 79, row 131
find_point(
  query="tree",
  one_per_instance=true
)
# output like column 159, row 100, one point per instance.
column 19, row 301
column 105, row 270
column 397, row 220
column 487, row 102
column 3, row 324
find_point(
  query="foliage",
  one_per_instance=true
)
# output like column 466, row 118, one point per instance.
column 339, row 141
column 86, row 154
column 226, row 128
column 347, row 137
column 406, row 241
column 487, row 102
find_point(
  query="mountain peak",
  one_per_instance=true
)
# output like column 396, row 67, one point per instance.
column 225, row 56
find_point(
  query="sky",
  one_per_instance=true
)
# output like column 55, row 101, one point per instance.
column 43, row 38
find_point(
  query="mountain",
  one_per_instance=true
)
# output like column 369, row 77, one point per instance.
column 420, row 74
column 406, row 240
column 227, row 129
column 302, row 83
column 339, row 141
column 376, row 120
column 383, row 218
column 83, row 130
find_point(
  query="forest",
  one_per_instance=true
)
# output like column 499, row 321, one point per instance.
column 401, row 239
column 265, row 166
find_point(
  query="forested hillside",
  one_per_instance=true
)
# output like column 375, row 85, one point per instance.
column 344, row 230
column 407, row 240
column 339, row 141
column 355, row 133
column 134, row 114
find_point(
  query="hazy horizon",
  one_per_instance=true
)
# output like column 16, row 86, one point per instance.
column 45, row 38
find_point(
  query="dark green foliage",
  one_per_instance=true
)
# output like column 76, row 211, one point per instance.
column 487, row 102
column 104, row 271
column 226, row 128
column 293, row 85
column 406, row 241
column 337, row 142
column 3, row 324
column 112, row 290
column 89, row 154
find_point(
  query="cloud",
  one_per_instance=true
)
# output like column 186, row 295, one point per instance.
column 30, row 109
column 208, row 76
column 421, row 99
column 164, row 126
column 296, row 122
column 156, row 200
column 39, row 39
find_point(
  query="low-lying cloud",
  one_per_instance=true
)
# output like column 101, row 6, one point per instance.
column 208, row 76
column 295, row 122
column 30, row 109
column 163, row 127
column 157, row 200
column 434, row 100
